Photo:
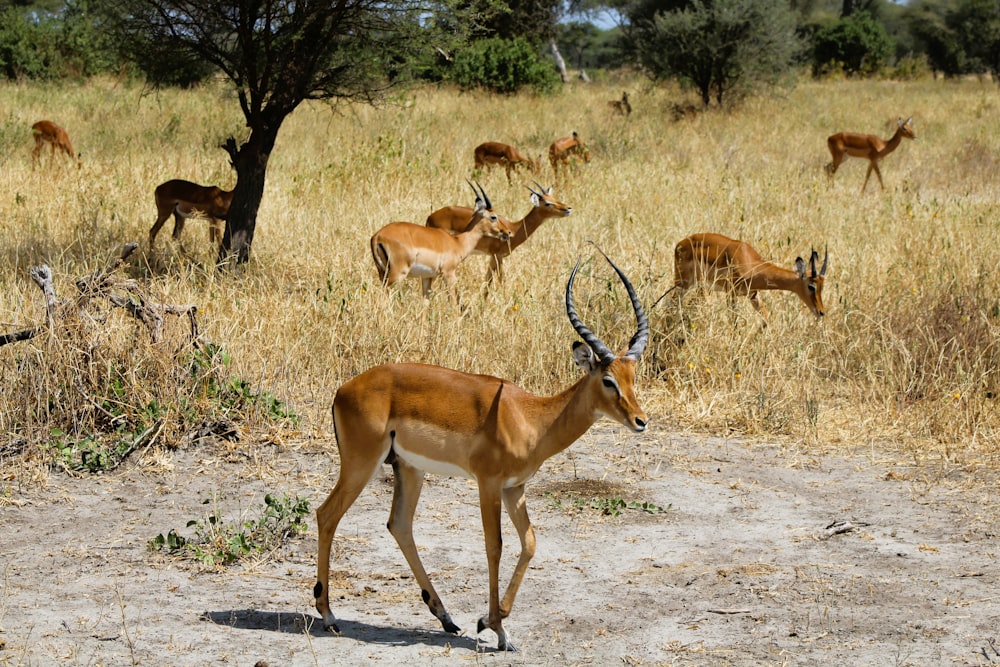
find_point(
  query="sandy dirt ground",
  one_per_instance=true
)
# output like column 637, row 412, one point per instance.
column 763, row 555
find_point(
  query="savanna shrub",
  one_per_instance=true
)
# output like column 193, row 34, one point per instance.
column 503, row 66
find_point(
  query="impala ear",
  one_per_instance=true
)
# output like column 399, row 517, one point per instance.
column 535, row 200
column 800, row 267
column 584, row 357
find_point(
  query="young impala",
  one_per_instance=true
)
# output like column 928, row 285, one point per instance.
column 494, row 153
column 404, row 249
column 420, row 418
column 185, row 199
column 454, row 219
column 621, row 107
column 868, row 146
column 563, row 150
column 735, row 267
column 47, row 132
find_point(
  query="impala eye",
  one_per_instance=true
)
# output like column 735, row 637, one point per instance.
column 812, row 288
column 610, row 383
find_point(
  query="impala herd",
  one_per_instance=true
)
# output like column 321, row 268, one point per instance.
column 421, row 418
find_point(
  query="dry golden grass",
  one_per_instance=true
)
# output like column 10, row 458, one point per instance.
column 906, row 359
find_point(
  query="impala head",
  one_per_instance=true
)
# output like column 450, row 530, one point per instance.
column 812, row 284
column 906, row 128
column 542, row 198
column 484, row 211
column 616, row 373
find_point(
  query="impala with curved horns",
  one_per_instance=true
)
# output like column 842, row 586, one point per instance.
column 47, row 132
column 403, row 249
column 185, row 199
column 737, row 268
column 453, row 219
column 421, row 418
column 493, row 153
column 868, row 146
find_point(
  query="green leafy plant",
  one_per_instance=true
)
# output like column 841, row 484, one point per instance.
column 612, row 506
column 216, row 542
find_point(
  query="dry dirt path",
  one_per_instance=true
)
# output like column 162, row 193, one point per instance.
column 740, row 570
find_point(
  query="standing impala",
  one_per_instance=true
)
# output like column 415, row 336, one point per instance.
column 494, row 153
column 735, row 267
column 47, row 132
column 421, row 419
column 621, row 107
column 453, row 219
column 403, row 249
column 184, row 199
column 563, row 150
column 868, row 146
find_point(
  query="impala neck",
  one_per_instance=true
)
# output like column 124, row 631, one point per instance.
column 564, row 418
column 768, row 276
column 893, row 142
column 527, row 226
column 468, row 239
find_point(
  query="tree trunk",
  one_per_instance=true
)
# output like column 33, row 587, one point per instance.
column 560, row 63
column 250, row 162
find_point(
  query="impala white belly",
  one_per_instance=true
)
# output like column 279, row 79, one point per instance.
column 427, row 464
column 419, row 270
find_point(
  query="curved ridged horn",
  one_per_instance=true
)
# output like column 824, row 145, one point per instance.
column 812, row 262
column 481, row 194
column 638, row 343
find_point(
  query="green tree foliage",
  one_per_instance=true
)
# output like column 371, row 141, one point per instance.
column 503, row 66
column 278, row 54
column 50, row 42
column 721, row 47
column 858, row 44
column 533, row 20
column 977, row 23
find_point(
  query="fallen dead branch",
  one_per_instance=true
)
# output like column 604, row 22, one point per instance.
column 122, row 292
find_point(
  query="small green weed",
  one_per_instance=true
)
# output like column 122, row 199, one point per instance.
column 612, row 506
column 218, row 543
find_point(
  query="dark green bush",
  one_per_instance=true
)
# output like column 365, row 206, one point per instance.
column 503, row 66
column 858, row 44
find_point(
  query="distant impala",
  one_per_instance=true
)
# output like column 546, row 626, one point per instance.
column 494, row 153
column 543, row 206
column 868, row 146
column 404, row 249
column 736, row 268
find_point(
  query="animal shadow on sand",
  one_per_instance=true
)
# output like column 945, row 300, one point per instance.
column 298, row 623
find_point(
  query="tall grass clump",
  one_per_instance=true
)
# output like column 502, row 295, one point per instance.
column 905, row 359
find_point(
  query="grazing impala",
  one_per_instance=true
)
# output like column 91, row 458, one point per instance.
column 621, row 106
column 420, row 419
column 184, row 199
column 868, row 146
column 735, row 267
column 562, row 150
column 402, row 249
column 454, row 219
column 47, row 132
column 494, row 153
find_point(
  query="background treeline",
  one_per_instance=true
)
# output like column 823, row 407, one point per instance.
column 718, row 47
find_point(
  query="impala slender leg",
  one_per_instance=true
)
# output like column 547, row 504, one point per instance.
column 489, row 506
column 408, row 483
column 328, row 517
column 161, row 218
column 517, row 509
column 178, row 225
column 878, row 172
